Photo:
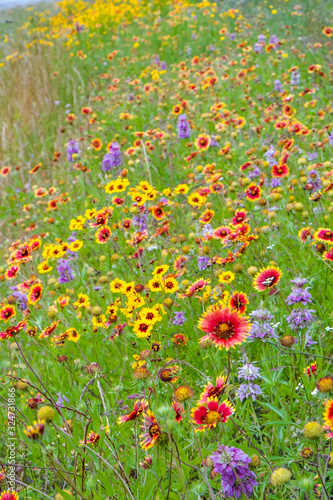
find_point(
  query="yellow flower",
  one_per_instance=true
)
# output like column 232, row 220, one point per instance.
column 226, row 277
column 313, row 430
column 76, row 245
column 280, row 476
column 44, row 267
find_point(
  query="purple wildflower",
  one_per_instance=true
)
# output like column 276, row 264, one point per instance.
column 249, row 372
column 61, row 399
column 21, row 298
column 72, row 148
column 275, row 182
column 112, row 158
column 258, row 48
column 270, row 155
column 261, row 38
column 207, row 231
column 254, row 173
column 140, row 221
column 64, row 270
column 232, row 36
column 203, row 263
column 213, row 142
column 179, row 318
column 249, row 390
column 299, row 295
column 163, row 66
column 278, row 86
column 183, row 127
column 299, row 318
column 233, row 465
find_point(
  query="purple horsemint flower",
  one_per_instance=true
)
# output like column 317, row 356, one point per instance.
column 64, row 270
column 249, row 372
column 232, row 36
column 275, row 182
column 72, row 148
column 254, row 173
column 299, row 295
column 233, row 465
column 163, row 66
column 299, row 282
column 261, row 329
column 315, row 180
column 258, row 48
column 269, row 155
column 207, row 231
column 72, row 237
column 112, row 158
column 213, row 142
column 261, row 38
column 300, row 318
column 183, row 127
column 21, row 298
column 179, row 318
column 249, row 390
column 278, row 86
column 274, row 40
column 203, row 263
column 140, row 222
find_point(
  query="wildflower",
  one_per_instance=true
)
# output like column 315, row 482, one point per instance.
column 183, row 393
column 203, row 142
column 238, row 302
column 280, row 476
column 35, row 294
column 141, row 373
column 233, row 465
column 325, row 384
column 179, row 318
column 300, row 318
column 46, row 413
column 203, row 263
column 267, row 278
column 35, row 431
column 313, row 430
column 151, row 430
column 64, row 270
column 61, row 400
column 226, row 328
column 92, row 438
column 147, row 462
column 328, row 418
column 245, row 391
column 213, row 391
column 249, row 372
column 7, row 312
column 9, row 495
column 306, row 452
column 208, row 416
column 179, row 409
column 183, row 127
column 112, row 158
column 139, row 407
column 73, row 149
column 195, row 288
column 226, row 277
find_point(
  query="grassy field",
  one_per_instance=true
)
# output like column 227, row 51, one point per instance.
column 166, row 258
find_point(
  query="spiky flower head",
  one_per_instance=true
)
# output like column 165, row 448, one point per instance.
column 280, row 476
column 183, row 393
column 313, row 430
column 46, row 413
column 325, row 384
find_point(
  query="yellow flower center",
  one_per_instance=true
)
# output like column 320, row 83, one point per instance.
column 212, row 417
